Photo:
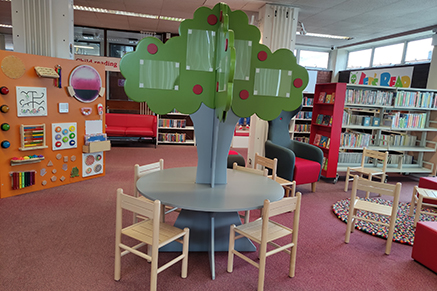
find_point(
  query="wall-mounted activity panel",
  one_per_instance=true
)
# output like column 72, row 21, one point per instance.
column 43, row 124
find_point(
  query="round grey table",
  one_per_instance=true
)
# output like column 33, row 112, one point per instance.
column 209, row 212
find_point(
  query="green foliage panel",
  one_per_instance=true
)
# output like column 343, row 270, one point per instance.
column 217, row 60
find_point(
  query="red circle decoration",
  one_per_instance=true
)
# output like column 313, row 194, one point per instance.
column 197, row 89
column 262, row 56
column 212, row 19
column 297, row 82
column 152, row 48
column 244, row 94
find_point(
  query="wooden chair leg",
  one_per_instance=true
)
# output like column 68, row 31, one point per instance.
column 413, row 203
column 346, row 182
column 368, row 193
column 185, row 253
column 262, row 266
column 117, row 263
column 292, row 261
column 390, row 236
column 231, row 249
column 154, row 269
column 313, row 187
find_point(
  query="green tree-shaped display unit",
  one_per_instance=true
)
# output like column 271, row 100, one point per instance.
column 216, row 71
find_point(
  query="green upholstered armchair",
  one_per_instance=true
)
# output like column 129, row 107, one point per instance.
column 297, row 161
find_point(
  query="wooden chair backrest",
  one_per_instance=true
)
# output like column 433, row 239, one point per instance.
column 145, row 208
column 376, row 187
column 271, row 164
column 287, row 204
column 146, row 169
column 264, row 172
column 380, row 157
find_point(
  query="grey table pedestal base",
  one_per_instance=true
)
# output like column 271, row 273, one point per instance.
column 209, row 232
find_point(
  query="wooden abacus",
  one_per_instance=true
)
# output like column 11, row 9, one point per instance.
column 33, row 137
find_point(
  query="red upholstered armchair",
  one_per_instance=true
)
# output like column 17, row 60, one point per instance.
column 297, row 161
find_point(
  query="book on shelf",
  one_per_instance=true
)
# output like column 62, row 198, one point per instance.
column 323, row 141
column 332, row 97
column 366, row 121
column 328, row 98
column 376, row 121
column 325, row 163
column 326, row 120
column 322, row 97
column 317, row 138
column 319, row 119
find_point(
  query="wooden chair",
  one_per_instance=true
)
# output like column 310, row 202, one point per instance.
column 373, row 207
column 140, row 171
column 264, row 173
column 272, row 164
column 150, row 231
column 370, row 172
column 264, row 231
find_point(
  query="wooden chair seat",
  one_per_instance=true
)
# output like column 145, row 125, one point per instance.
column 253, row 230
column 367, row 171
column 142, row 231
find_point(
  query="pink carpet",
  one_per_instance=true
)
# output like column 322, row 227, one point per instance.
column 63, row 239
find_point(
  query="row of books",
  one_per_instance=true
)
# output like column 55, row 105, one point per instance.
column 355, row 158
column 415, row 99
column 306, row 101
column 324, row 119
column 304, row 115
column 173, row 137
column 302, row 139
column 398, row 140
column 179, row 123
column 405, row 120
column 326, row 98
column 302, row 127
column 355, row 139
column 365, row 120
column 322, row 141
column 369, row 97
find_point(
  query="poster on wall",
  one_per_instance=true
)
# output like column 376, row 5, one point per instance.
column 391, row 77
column 31, row 101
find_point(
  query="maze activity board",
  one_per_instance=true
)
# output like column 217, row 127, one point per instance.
column 43, row 117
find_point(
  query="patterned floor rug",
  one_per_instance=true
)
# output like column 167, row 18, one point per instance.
column 404, row 230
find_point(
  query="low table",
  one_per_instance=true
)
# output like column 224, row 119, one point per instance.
column 419, row 195
column 209, row 212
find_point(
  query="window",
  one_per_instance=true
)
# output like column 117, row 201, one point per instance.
column 419, row 51
column 86, row 48
column 388, row 55
column 119, row 50
column 359, row 59
column 313, row 59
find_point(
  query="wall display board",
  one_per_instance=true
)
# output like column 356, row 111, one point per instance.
column 64, row 136
column 41, row 146
column 92, row 164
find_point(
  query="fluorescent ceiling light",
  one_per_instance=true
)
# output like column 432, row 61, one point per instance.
column 125, row 13
column 84, row 47
column 325, row 35
column 6, row 25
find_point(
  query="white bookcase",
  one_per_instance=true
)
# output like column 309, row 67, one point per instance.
column 406, row 116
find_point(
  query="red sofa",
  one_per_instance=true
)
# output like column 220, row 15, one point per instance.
column 131, row 125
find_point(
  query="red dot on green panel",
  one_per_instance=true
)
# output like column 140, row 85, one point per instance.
column 244, row 94
column 197, row 89
column 262, row 56
column 297, row 82
column 212, row 19
column 152, row 48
